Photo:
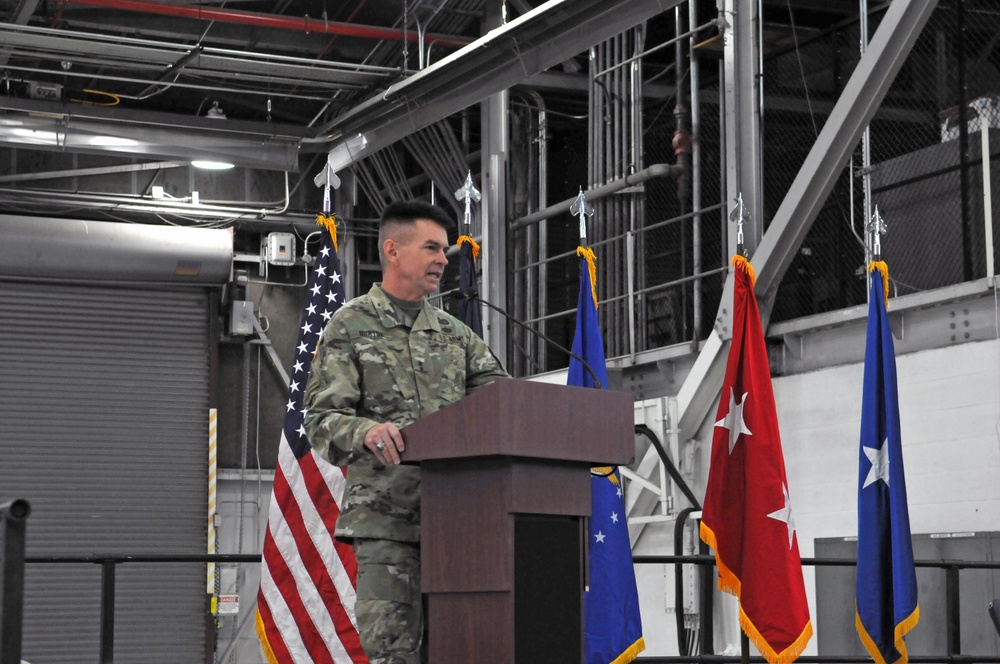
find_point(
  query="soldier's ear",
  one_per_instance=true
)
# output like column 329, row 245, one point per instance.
column 390, row 249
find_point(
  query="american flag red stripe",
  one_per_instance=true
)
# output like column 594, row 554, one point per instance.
column 265, row 621
column 313, row 546
column 321, row 479
column 307, row 590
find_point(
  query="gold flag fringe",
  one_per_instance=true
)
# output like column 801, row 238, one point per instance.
column 631, row 652
column 902, row 628
column 591, row 258
column 786, row 656
column 329, row 222
column 462, row 239
column 262, row 637
column 730, row 583
column 883, row 269
column 742, row 263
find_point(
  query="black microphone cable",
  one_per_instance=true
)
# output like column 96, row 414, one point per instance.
column 474, row 296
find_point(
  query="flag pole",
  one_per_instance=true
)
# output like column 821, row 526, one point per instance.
column 612, row 620
column 740, row 215
column 468, row 311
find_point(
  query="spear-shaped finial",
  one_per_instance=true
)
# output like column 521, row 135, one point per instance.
column 876, row 228
column 327, row 179
column 739, row 214
column 469, row 192
column 582, row 209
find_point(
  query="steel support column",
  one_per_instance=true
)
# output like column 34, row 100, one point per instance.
column 742, row 122
column 495, row 150
column 12, row 544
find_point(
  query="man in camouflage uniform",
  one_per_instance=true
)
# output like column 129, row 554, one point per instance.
column 387, row 359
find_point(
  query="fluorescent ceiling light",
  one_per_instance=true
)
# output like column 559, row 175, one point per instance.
column 211, row 165
column 37, row 136
column 112, row 141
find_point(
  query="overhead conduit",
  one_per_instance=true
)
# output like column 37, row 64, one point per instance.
column 305, row 24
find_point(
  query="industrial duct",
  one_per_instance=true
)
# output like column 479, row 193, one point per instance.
column 80, row 250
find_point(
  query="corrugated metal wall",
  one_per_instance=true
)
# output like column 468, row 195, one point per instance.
column 103, row 428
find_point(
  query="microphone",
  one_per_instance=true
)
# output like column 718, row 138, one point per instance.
column 473, row 295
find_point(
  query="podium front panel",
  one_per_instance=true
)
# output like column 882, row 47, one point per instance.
column 539, row 620
column 467, row 516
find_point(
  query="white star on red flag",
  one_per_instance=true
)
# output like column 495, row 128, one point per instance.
column 734, row 419
column 785, row 515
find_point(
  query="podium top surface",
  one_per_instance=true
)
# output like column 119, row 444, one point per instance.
column 527, row 419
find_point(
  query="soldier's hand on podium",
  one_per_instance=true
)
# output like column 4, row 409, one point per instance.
column 385, row 442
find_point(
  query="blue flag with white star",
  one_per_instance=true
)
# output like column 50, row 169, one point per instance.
column 886, row 584
column 612, row 626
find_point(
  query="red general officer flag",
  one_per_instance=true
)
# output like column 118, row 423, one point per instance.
column 747, row 518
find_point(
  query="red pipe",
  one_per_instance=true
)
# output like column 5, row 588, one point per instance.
column 306, row 24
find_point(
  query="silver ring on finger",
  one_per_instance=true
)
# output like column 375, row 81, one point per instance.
column 380, row 446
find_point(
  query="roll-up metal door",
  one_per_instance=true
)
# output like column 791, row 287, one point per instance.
column 103, row 428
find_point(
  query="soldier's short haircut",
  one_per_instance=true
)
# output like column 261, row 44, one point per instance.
column 405, row 213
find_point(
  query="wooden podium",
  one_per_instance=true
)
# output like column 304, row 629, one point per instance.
column 505, row 487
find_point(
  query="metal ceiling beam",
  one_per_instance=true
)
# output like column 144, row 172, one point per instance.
column 150, row 58
column 118, row 115
column 854, row 109
column 24, row 11
column 506, row 56
column 304, row 24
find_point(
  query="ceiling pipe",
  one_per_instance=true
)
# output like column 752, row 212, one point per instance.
column 305, row 24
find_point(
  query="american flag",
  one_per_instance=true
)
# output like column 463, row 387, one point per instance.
column 305, row 605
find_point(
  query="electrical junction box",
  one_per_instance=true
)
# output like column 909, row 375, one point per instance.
column 280, row 249
column 241, row 318
column 46, row 91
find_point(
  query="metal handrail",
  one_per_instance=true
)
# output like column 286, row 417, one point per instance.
column 952, row 594
column 109, row 562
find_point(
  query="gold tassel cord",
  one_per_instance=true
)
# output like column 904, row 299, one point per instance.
column 742, row 263
column 591, row 258
column 329, row 222
column 475, row 245
column 883, row 269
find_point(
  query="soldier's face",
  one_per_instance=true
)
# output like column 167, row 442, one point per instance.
column 416, row 260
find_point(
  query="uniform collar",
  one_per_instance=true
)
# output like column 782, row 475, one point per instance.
column 390, row 315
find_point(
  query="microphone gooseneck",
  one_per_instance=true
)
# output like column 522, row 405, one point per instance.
column 473, row 295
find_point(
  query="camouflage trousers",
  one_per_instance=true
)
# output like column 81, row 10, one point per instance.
column 389, row 608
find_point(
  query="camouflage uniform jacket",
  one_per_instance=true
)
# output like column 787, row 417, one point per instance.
column 371, row 368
